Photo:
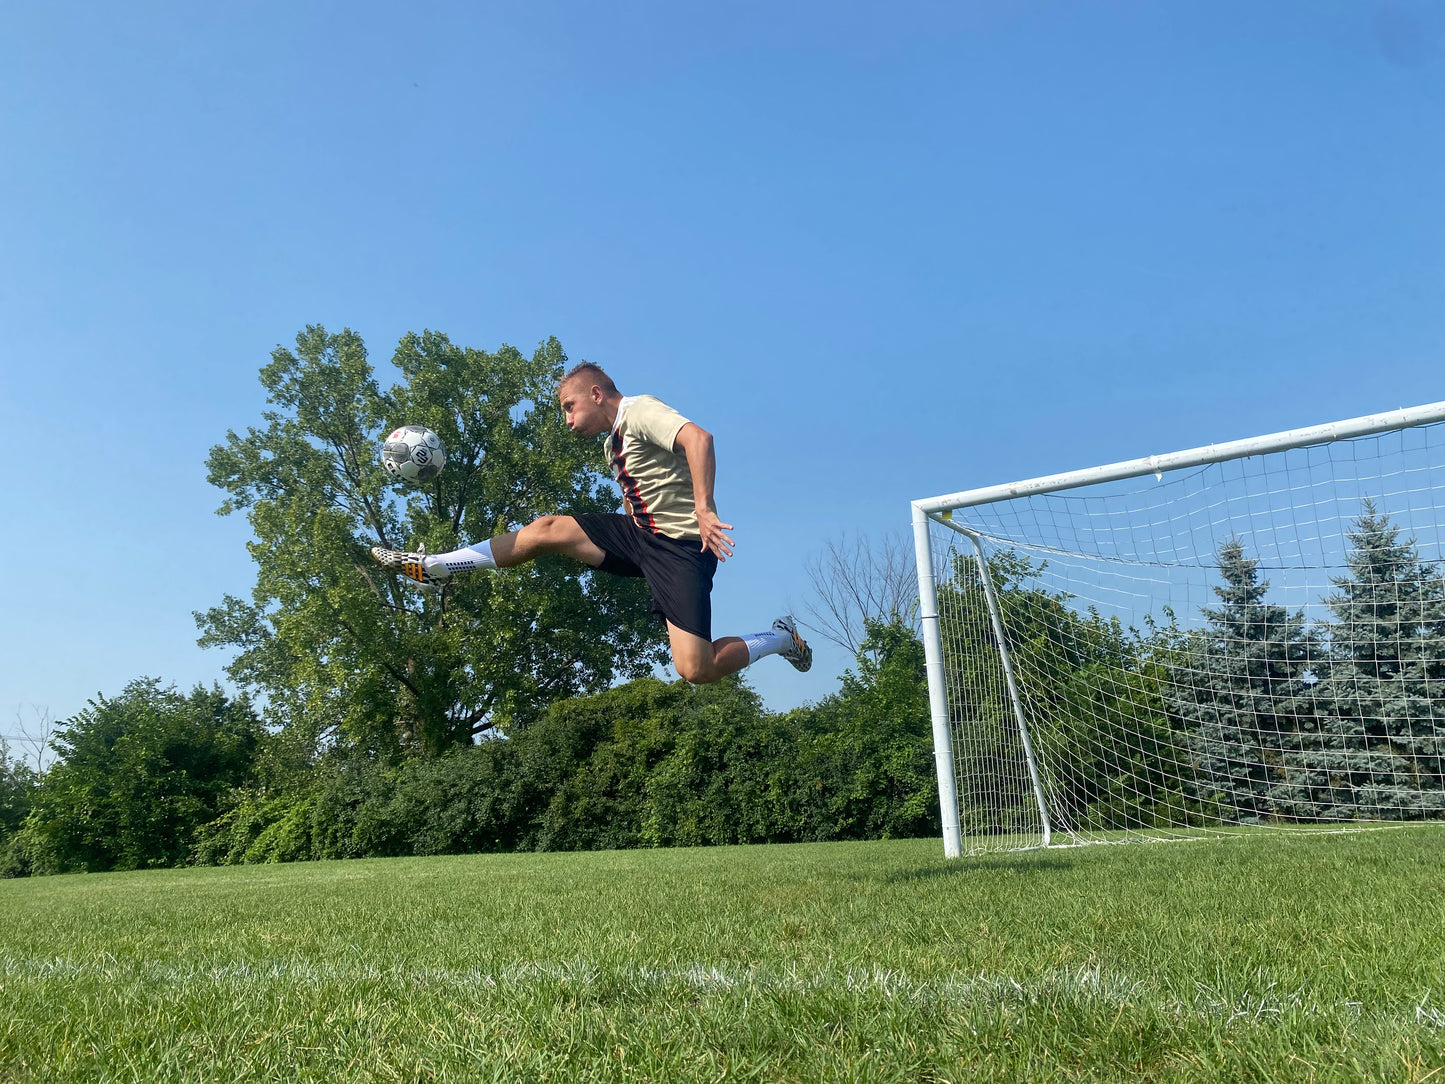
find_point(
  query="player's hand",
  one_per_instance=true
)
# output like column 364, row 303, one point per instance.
column 713, row 538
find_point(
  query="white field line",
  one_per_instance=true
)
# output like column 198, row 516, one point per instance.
column 1066, row 838
column 1084, row 986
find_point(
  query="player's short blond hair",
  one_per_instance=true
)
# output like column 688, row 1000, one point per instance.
column 591, row 372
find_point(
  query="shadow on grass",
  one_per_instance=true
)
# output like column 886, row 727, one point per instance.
column 965, row 867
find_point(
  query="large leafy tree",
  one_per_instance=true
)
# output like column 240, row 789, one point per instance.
column 1239, row 690
column 993, row 794
column 17, row 789
column 867, row 767
column 137, row 774
column 343, row 652
column 1091, row 694
column 1375, row 746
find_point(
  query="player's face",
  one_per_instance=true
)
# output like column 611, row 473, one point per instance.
column 582, row 404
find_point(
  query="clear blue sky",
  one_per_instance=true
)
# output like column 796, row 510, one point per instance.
column 882, row 251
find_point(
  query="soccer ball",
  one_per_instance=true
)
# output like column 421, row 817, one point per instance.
column 413, row 453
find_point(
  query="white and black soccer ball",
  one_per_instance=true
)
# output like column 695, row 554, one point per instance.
column 413, row 453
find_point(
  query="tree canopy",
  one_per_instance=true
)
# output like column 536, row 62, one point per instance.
column 345, row 653
column 138, row 774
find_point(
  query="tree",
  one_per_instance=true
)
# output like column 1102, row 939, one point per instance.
column 17, row 788
column 1092, row 697
column 20, row 774
column 344, row 653
column 866, row 761
column 137, row 774
column 1375, row 745
column 1243, row 695
column 854, row 582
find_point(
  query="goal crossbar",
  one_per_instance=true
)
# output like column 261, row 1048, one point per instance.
column 1192, row 457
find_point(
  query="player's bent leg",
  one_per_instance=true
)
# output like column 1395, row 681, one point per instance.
column 702, row 662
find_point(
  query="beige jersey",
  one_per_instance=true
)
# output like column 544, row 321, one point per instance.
column 656, row 482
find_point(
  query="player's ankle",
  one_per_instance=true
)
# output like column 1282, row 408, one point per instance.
column 765, row 643
column 470, row 558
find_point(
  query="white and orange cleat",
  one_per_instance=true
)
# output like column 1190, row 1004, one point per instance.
column 431, row 573
column 799, row 654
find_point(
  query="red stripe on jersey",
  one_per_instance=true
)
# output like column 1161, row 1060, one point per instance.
column 630, row 491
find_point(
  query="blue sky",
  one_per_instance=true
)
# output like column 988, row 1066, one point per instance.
column 881, row 251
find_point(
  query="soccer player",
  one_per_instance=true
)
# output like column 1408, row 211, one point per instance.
column 671, row 534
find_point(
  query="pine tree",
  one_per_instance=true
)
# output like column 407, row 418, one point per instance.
column 1375, row 745
column 1244, row 695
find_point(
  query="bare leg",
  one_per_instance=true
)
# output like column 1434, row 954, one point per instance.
column 550, row 534
column 702, row 663
column 694, row 658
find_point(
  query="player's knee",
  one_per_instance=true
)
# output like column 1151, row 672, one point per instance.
column 695, row 671
column 548, row 529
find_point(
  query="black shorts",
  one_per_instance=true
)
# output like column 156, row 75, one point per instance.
column 678, row 571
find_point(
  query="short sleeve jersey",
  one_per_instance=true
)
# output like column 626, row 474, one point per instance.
column 656, row 482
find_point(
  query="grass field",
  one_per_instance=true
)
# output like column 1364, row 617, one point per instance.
column 1264, row 957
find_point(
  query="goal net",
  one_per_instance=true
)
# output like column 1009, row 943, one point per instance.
column 1247, row 634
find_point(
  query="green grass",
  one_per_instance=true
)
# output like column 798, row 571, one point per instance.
column 1262, row 957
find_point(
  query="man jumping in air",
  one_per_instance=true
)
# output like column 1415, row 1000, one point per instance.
column 671, row 534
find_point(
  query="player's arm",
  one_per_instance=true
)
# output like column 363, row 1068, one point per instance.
column 695, row 443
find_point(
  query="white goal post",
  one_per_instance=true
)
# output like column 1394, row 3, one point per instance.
column 1249, row 633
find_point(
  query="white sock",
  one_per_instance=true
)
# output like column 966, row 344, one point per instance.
column 766, row 643
column 466, row 559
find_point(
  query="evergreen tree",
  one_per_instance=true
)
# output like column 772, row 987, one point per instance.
column 1374, row 748
column 1243, row 694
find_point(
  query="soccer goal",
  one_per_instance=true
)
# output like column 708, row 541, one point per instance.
column 1251, row 633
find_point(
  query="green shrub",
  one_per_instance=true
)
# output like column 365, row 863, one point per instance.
column 646, row 764
column 137, row 775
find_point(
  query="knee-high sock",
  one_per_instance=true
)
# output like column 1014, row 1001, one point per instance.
column 467, row 559
column 770, row 642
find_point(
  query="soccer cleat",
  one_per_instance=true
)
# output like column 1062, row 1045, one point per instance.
column 799, row 654
column 413, row 565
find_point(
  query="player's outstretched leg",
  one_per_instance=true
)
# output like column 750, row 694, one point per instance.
column 434, row 569
column 700, row 662
column 550, row 534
